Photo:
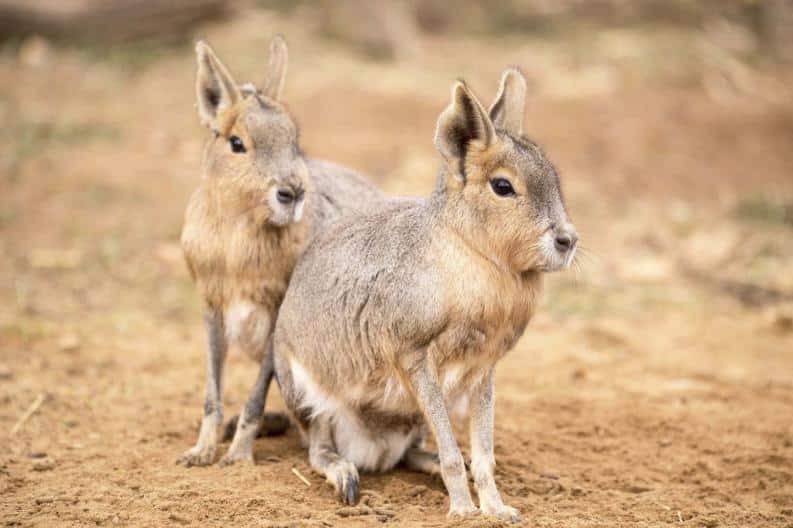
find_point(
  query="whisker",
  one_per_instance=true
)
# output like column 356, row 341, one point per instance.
column 586, row 252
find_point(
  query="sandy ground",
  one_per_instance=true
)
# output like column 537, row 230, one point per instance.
column 655, row 386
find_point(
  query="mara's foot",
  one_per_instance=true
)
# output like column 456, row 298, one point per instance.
column 503, row 512
column 418, row 459
column 197, row 455
column 462, row 511
column 234, row 456
column 344, row 477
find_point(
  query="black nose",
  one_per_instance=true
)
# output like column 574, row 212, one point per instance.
column 285, row 195
column 564, row 242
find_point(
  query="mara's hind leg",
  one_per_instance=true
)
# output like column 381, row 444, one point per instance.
column 286, row 384
column 423, row 461
column 418, row 459
column 249, row 422
column 203, row 453
column 271, row 424
column 324, row 458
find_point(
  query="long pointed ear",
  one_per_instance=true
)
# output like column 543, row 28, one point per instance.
column 463, row 122
column 507, row 110
column 276, row 68
column 215, row 88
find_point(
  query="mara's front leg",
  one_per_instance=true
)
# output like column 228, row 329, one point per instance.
column 430, row 399
column 241, row 449
column 483, row 461
column 203, row 453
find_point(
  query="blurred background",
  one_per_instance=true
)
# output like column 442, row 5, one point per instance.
column 655, row 385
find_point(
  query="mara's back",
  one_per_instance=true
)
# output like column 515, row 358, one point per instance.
column 349, row 281
column 337, row 190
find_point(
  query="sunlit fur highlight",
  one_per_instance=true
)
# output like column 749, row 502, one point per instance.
column 395, row 316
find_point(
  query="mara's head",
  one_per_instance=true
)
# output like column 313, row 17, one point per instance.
column 500, row 188
column 253, row 157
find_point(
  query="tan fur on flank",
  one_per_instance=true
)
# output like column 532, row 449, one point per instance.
column 395, row 316
column 258, row 204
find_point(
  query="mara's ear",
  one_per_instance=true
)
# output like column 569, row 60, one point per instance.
column 276, row 68
column 215, row 88
column 507, row 110
column 463, row 122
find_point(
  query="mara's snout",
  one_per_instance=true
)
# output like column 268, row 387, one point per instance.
column 287, row 203
column 287, row 195
column 559, row 245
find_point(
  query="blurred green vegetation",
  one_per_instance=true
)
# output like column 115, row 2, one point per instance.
column 764, row 209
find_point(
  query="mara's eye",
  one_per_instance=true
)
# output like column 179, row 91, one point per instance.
column 502, row 187
column 236, row 144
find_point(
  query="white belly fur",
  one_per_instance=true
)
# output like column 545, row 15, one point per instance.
column 368, row 449
column 248, row 326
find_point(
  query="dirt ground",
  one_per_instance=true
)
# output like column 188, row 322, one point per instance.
column 654, row 387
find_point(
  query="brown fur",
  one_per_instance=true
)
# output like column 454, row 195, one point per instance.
column 241, row 238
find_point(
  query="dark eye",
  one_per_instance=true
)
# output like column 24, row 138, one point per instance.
column 236, row 144
column 502, row 187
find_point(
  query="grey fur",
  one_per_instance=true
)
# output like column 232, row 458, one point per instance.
column 401, row 311
column 248, row 423
column 203, row 452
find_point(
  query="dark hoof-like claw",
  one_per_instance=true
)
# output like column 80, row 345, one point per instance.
column 347, row 489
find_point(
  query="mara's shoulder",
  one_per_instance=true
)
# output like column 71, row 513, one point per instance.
column 396, row 229
column 337, row 190
column 327, row 174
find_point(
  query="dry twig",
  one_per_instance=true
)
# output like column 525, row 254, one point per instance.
column 301, row 477
column 25, row 417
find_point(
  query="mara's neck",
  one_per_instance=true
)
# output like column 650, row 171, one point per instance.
column 450, row 216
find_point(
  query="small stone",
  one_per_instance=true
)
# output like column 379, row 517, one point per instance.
column 781, row 318
column 35, row 52
column 43, row 464
column 5, row 372
column 69, row 343
column 418, row 490
column 382, row 512
column 177, row 518
column 354, row 511
column 44, row 500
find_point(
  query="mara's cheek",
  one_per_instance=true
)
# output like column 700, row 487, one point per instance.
column 528, row 253
column 262, row 214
